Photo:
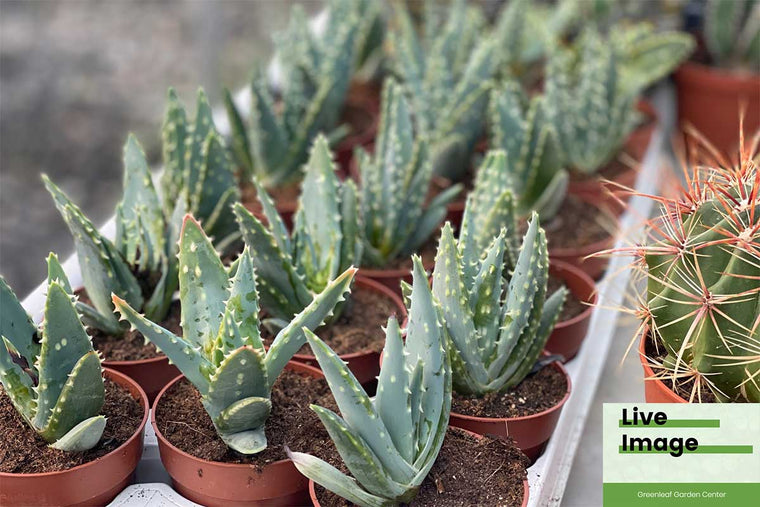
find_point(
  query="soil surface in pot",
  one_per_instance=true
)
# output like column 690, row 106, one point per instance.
column 427, row 252
column 536, row 393
column 359, row 122
column 281, row 195
column 683, row 387
column 182, row 419
column 468, row 471
column 609, row 171
column 578, row 224
column 573, row 306
column 23, row 451
column 132, row 346
column 359, row 327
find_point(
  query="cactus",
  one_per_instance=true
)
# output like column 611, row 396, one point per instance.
column 52, row 375
column 316, row 72
column 702, row 299
column 732, row 33
column 446, row 74
column 221, row 352
column 389, row 442
column 394, row 185
column 532, row 165
column 496, row 335
column 593, row 111
column 325, row 240
column 198, row 175
column 144, row 248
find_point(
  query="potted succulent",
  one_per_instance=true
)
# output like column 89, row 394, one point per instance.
column 722, row 80
column 73, row 438
column 325, row 241
column 393, row 188
column 228, row 376
column 389, row 451
column 498, row 323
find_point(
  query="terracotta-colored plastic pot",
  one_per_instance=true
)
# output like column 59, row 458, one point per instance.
column 531, row 433
column 655, row 390
column 152, row 374
column 213, row 483
column 363, row 364
column 392, row 278
column 568, row 335
column 94, row 483
column 711, row 99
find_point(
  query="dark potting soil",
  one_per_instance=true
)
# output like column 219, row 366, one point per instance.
column 281, row 195
column 359, row 327
column 182, row 419
column 427, row 252
column 359, row 122
column 23, row 451
column 132, row 346
column 683, row 387
column 578, row 224
column 573, row 306
column 536, row 393
column 468, row 471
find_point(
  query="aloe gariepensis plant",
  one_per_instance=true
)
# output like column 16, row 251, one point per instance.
column 394, row 185
column 316, row 72
column 221, row 352
column 702, row 300
column 140, row 264
column 52, row 375
column 389, row 442
column 325, row 241
column 446, row 72
column 732, row 33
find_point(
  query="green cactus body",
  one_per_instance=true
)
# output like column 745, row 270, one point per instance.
column 732, row 33
column 221, row 351
column 703, row 290
column 389, row 442
column 394, row 184
column 55, row 382
column 325, row 241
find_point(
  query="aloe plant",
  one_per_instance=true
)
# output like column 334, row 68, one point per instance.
column 52, row 375
column 325, row 240
column 446, row 73
column 533, row 163
column 394, row 184
column 199, row 176
column 732, row 33
column 144, row 248
column 496, row 330
column 316, row 72
column 221, row 352
column 389, row 442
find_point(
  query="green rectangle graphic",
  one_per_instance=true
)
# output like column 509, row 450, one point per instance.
column 677, row 423
column 685, row 494
column 702, row 449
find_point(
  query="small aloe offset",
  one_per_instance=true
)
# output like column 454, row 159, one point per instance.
column 394, row 184
column 389, row 442
column 532, row 164
column 325, row 240
column 144, row 247
column 732, row 33
column 221, row 352
column 446, row 72
column 496, row 331
column 52, row 375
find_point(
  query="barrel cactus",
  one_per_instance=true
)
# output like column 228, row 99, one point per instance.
column 732, row 33
column 221, row 352
column 325, row 240
column 52, row 375
column 389, row 442
column 144, row 248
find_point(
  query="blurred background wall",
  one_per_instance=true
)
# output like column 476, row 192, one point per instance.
column 77, row 75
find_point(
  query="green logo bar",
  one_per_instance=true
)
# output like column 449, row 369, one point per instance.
column 684, row 494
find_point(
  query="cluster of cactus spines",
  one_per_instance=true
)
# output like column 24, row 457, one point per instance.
column 702, row 300
column 389, row 442
column 732, row 32
column 316, row 74
column 593, row 111
column 447, row 74
column 199, row 176
column 145, row 245
column 533, row 164
column 325, row 240
column 221, row 352
column 52, row 375
column 496, row 332
column 394, row 184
